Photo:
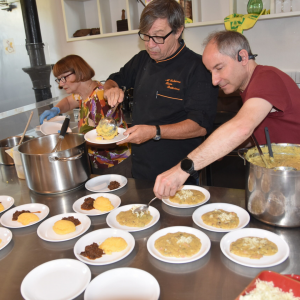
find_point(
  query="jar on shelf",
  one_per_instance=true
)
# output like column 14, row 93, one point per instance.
column 255, row 7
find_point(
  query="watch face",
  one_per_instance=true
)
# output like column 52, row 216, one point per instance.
column 157, row 137
column 186, row 164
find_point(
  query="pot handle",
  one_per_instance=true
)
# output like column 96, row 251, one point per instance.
column 241, row 153
column 55, row 158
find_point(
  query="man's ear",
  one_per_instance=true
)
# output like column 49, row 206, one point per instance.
column 243, row 56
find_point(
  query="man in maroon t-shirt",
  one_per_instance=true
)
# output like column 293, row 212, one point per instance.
column 271, row 99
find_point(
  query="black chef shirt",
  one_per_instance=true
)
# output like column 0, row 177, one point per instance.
column 167, row 92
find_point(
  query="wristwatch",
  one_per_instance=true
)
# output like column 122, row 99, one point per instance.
column 157, row 137
column 187, row 165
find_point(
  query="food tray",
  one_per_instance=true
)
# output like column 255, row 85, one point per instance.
column 285, row 282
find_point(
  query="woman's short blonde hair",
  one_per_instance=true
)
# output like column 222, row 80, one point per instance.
column 74, row 63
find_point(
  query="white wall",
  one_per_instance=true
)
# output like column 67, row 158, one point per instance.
column 277, row 41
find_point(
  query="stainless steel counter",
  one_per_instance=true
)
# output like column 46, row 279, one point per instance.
column 211, row 277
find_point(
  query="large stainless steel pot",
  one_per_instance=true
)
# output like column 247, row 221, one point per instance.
column 8, row 143
column 272, row 196
column 51, row 173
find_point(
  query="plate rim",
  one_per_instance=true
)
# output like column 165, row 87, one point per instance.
column 125, row 269
column 133, row 228
column 97, row 195
column 75, row 261
column 284, row 243
column 108, row 263
column 153, row 236
column 43, row 132
column 59, row 215
column 20, row 207
column 186, row 187
column 10, row 236
column 120, row 130
column 13, row 202
column 210, row 228
column 85, row 185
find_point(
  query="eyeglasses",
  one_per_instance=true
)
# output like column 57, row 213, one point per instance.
column 155, row 39
column 63, row 78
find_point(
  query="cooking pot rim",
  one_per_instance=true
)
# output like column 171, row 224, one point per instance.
column 55, row 153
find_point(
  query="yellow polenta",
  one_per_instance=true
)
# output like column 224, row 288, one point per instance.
column 1, row 207
column 131, row 219
column 253, row 247
column 105, row 130
column 64, row 227
column 27, row 218
column 103, row 204
column 113, row 244
column 220, row 218
column 190, row 197
column 178, row 244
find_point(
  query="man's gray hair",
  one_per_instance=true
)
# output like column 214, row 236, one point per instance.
column 228, row 42
column 162, row 9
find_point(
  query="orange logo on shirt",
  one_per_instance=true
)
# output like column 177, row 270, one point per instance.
column 170, row 82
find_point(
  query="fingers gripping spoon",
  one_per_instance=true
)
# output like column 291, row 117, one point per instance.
column 63, row 131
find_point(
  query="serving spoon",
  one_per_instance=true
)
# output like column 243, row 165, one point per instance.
column 143, row 208
column 259, row 150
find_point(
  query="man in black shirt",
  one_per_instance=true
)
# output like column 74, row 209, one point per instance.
column 174, row 99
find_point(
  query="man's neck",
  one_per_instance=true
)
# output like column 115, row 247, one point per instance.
column 250, row 69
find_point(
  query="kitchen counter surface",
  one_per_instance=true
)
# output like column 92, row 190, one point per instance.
column 212, row 277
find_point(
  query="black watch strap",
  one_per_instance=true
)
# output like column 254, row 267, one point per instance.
column 187, row 165
column 157, row 137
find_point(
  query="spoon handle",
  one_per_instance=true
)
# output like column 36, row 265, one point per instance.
column 269, row 142
column 151, row 201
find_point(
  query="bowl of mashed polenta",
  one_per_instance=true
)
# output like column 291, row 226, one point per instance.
column 188, row 196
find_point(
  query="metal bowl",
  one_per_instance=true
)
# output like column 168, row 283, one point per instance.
column 9, row 143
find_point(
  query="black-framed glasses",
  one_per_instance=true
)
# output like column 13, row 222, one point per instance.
column 155, row 39
column 63, row 78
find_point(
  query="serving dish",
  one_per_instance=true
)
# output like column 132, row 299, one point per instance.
column 284, row 282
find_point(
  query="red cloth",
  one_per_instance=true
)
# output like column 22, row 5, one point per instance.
column 283, row 93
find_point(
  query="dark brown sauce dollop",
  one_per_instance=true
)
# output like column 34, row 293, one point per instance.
column 92, row 251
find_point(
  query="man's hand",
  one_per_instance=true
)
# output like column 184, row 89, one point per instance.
column 139, row 134
column 114, row 96
column 169, row 182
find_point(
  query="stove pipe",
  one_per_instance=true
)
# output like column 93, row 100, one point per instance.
column 38, row 71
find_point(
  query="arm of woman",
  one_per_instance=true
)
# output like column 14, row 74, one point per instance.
column 67, row 103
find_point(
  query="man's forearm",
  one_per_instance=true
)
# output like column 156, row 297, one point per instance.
column 110, row 84
column 183, row 130
column 221, row 142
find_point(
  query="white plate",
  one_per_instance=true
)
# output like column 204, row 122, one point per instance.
column 60, row 279
column 45, row 230
column 241, row 213
column 51, row 127
column 92, row 137
column 5, row 236
column 6, row 219
column 205, row 241
column 56, row 119
column 114, row 199
column 189, row 187
column 113, row 223
column 99, row 236
column 265, row 261
column 123, row 283
column 7, row 202
column 100, row 183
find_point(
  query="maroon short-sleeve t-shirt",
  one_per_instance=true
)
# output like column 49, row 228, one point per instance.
column 282, row 92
